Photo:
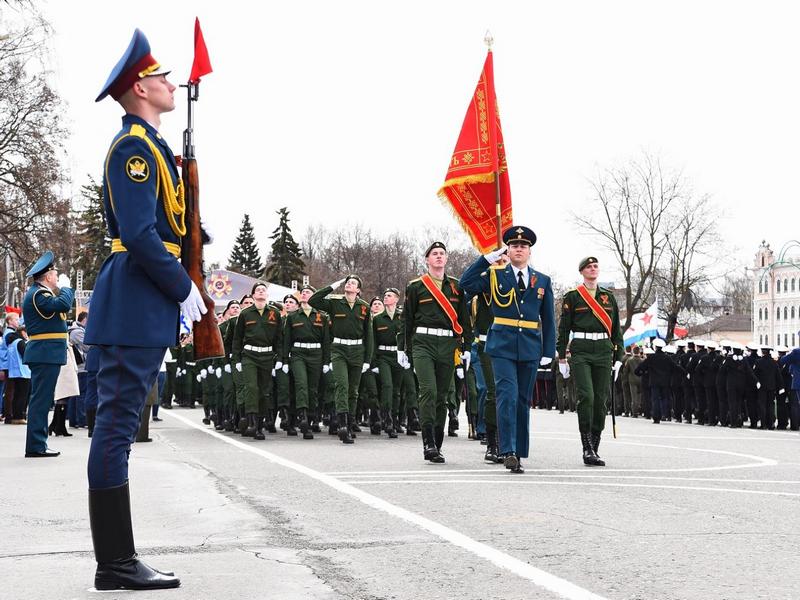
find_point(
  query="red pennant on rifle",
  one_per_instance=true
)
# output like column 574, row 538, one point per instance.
column 201, row 64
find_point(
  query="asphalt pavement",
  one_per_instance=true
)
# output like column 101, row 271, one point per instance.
column 680, row 512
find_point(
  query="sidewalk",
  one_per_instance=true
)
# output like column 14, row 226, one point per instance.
column 182, row 522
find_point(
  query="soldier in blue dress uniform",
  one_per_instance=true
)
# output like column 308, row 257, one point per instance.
column 44, row 309
column 522, row 335
column 145, row 209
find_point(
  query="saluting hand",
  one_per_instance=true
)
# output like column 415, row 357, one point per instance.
column 63, row 281
column 336, row 284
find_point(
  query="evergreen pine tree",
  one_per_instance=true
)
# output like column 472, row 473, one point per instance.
column 91, row 233
column 245, row 257
column 285, row 262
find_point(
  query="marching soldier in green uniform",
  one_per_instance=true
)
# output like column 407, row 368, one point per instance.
column 386, row 326
column 482, row 313
column 306, row 345
column 239, row 421
column 351, row 347
column 284, row 400
column 228, row 399
column 256, row 341
column 436, row 323
column 591, row 315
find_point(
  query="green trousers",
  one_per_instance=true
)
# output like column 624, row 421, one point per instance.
column 283, row 390
column 368, row 391
column 590, row 365
column 490, row 408
column 347, row 363
column 228, row 391
column 257, row 380
column 306, row 367
column 409, row 398
column 390, row 374
column 434, row 365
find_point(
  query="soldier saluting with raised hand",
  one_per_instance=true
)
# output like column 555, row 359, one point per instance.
column 591, row 315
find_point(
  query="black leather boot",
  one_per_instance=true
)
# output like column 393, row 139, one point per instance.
column 375, row 421
column 302, row 421
column 388, row 424
column 259, row 432
column 410, row 423
column 291, row 429
column 590, row 458
column 60, row 420
column 242, row 425
column 354, row 428
column 91, row 414
column 314, row 422
column 333, row 428
column 596, row 442
column 206, row 416
column 118, row 567
column 429, row 450
column 491, row 447
column 452, row 422
column 344, row 428
column 251, row 425
column 414, row 423
column 269, row 423
column 438, row 438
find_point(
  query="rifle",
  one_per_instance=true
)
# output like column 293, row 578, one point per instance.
column 207, row 337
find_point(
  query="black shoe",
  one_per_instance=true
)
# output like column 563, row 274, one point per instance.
column 429, row 450
column 291, row 430
column 269, row 424
column 344, row 429
column 118, row 566
column 157, row 419
column 518, row 469
column 452, row 422
column 590, row 457
column 45, row 454
column 259, row 433
column 511, row 461
column 251, row 426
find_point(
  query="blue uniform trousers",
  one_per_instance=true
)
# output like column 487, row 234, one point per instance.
column 514, row 384
column 43, row 388
column 125, row 376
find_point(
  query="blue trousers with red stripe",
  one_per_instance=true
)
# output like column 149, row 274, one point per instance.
column 514, row 388
column 124, row 377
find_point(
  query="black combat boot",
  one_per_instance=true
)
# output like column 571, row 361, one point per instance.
column 251, row 426
column 354, row 428
column 375, row 422
column 452, row 422
column 269, row 424
column 314, row 422
column 414, row 423
column 396, row 424
column 91, row 413
column 332, row 424
column 438, row 438
column 302, row 422
column 112, row 536
column 472, row 432
column 242, row 424
column 259, row 433
column 344, row 429
column 206, row 416
column 596, row 435
column 388, row 424
column 590, row 458
column 291, row 430
column 491, row 447
column 429, row 450
column 410, row 426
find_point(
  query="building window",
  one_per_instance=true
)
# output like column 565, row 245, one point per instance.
column 785, row 313
column 766, row 338
column 759, row 286
column 760, row 339
column 778, row 313
column 785, row 339
column 759, row 314
column 792, row 283
column 793, row 312
column 777, row 286
column 792, row 340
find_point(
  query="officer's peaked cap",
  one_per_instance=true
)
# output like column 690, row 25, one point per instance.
column 135, row 64
column 519, row 234
column 44, row 263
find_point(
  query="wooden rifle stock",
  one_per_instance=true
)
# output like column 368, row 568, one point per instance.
column 207, row 338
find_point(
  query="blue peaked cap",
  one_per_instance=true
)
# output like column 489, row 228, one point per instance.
column 136, row 63
column 40, row 266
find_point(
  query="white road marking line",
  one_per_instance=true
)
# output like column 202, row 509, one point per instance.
column 543, row 579
column 505, row 475
column 514, row 480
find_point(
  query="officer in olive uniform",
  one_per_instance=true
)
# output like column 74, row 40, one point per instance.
column 145, row 210
column 256, row 350
column 44, row 310
column 351, row 347
column 386, row 327
column 521, row 338
column 306, row 341
column 591, row 315
column 436, row 321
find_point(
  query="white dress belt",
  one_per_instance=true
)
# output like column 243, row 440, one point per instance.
column 307, row 345
column 346, row 342
column 434, row 331
column 388, row 348
column 582, row 335
column 258, row 348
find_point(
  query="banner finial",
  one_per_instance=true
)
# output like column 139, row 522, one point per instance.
column 489, row 40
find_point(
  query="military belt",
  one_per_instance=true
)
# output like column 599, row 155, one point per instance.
column 48, row 336
column 516, row 323
column 258, row 348
column 583, row 335
column 174, row 249
column 307, row 345
column 346, row 342
column 388, row 348
column 434, row 331
column 482, row 338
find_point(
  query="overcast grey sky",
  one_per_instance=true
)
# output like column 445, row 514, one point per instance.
column 348, row 111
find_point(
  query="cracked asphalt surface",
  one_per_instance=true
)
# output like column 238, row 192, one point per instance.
column 681, row 512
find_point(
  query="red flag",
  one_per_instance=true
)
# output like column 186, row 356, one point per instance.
column 13, row 309
column 469, row 185
column 201, row 64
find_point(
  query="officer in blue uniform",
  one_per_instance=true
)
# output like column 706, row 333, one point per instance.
column 144, row 207
column 44, row 309
column 522, row 335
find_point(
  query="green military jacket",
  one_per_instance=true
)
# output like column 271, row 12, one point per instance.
column 577, row 315
column 311, row 329
column 385, row 330
column 482, row 317
column 257, row 329
column 346, row 322
column 422, row 310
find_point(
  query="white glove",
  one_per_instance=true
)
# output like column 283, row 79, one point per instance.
column 193, row 306
column 376, row 370
column 494, row 255
column 278, row 364
column 209, row 370
column 63, row 281
column 617, row 367
column 758, row 385
column 337, row 284
column 460, row 372
column 204, row 374
column 402, row 358
column 563, row 367
column 365, row 367
column 688, row 376
column 228, row 368
column 219, row 373
column 273, row 372
column 285, row 368
column 407, row 365
column 207, row 231
column 326, row 368
column 239, row 367
column 545, row 360
column 199, row 378
column 780, row 391
column 465, row 358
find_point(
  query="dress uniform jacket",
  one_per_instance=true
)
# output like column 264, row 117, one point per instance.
column 142, row 278
column 46, row 322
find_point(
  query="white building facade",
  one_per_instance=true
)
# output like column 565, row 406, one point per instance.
column 776, row 297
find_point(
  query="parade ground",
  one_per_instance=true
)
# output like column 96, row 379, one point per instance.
column 680, row 512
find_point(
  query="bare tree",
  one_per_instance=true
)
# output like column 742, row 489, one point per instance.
column 634, row 202
column 737, row 292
